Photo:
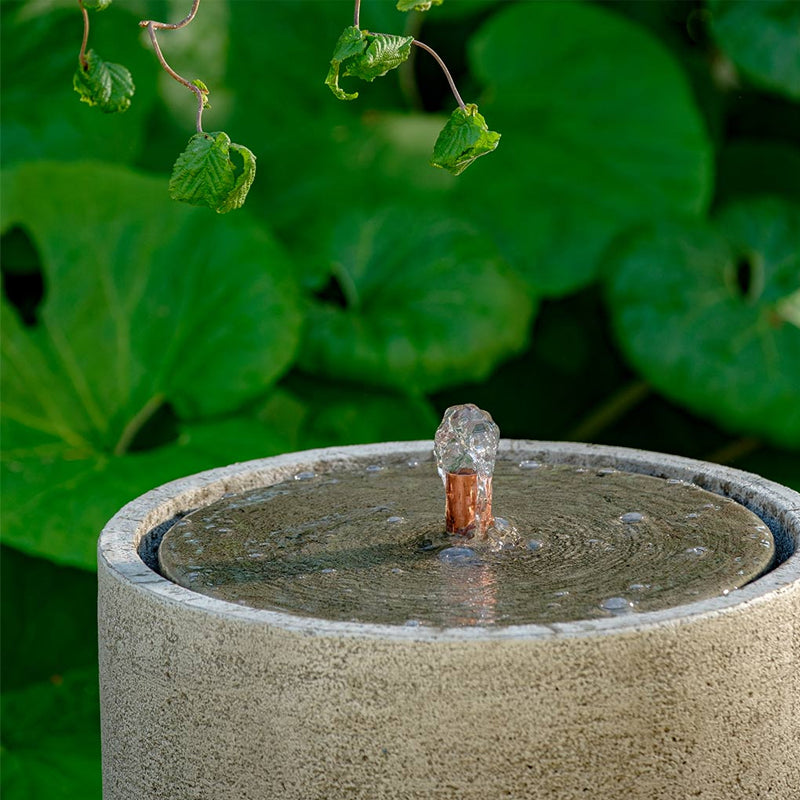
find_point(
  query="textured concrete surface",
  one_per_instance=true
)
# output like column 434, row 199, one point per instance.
column 205, row 699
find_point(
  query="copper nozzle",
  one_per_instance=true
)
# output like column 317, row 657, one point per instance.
column 464, row 512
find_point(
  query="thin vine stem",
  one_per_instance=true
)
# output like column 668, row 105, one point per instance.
column 446, row 71
column 357, row 14
column 82, row 54
column 153, row 26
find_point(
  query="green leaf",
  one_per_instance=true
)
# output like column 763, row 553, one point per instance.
column 367, row 56
column 338, row 414
column 710, row 315
column 429, row 303
column 416, row 5
column 205, row 175
column 96, row 5
column 55, row 126
column 351, row 44
column 464, row 138
column 103, row 84
column 763, row 39
column 51, row 739
column 600, row 132
column 148, row 305
column 42, row 634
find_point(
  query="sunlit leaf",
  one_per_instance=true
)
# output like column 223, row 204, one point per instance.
column 711, row 316
column 96, row 5
column 205, row 175
column 100, row 83
column 365, row 55
column 464, row 138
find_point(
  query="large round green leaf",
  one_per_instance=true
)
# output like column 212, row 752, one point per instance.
column 147, row 299
column 763, row 39
column 428, row 303
column 148, row 305
column 599, row 131
column 51, row 739
column 711, row 316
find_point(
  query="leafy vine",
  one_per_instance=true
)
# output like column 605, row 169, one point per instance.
column 363, row 54
column 205, row 174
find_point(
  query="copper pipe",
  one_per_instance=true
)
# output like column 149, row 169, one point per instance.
column 465, row 514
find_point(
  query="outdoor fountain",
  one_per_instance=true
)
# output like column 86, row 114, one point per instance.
column 312, row 626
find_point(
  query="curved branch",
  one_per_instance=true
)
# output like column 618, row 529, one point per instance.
column 153, row 26
column 446, row 71
column 82, row 54
column 167, row 26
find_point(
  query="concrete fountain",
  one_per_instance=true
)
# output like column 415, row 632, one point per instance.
column 312, row 626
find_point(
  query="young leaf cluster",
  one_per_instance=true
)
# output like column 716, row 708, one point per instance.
column 361, row 54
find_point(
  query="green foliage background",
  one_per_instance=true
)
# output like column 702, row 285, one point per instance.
column 624, row 269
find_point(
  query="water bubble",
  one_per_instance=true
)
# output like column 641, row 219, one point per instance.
column 412, row 623
column 692, row 516
column 606, row 471
column 632, row 516
column 412, row 464
column 529, row 464
column 374, row 468
column 696, row 551
column 638, row 587
column 765, row 543
column 534, row 545
column 328, row 571
column 459, row 556
column 395, row 519
column 562, row 593
column 674, row 481
column 397, row 571
column 304, row 476
column 617, row 605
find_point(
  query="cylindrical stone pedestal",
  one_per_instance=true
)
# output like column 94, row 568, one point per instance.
column 201, row 698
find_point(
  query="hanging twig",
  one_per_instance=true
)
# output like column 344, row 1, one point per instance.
column 152, row 27
column 82, row 54
column 446, row 71
column 357, row 14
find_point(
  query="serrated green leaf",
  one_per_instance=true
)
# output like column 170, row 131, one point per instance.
column 51, row 739
column 384, row 52
column 96, row 5
column 464, row 138
column 56, row 126
column 417, row 5
column 204, row 174
column 762, row 37
column 104, row 84
column 351, row 43
column 242, row 183
column 148, row 302
column 359, row 54
column 586, row 152
column 427, row 305
column 708, row 315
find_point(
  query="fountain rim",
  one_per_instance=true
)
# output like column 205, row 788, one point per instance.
column 119, row 542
